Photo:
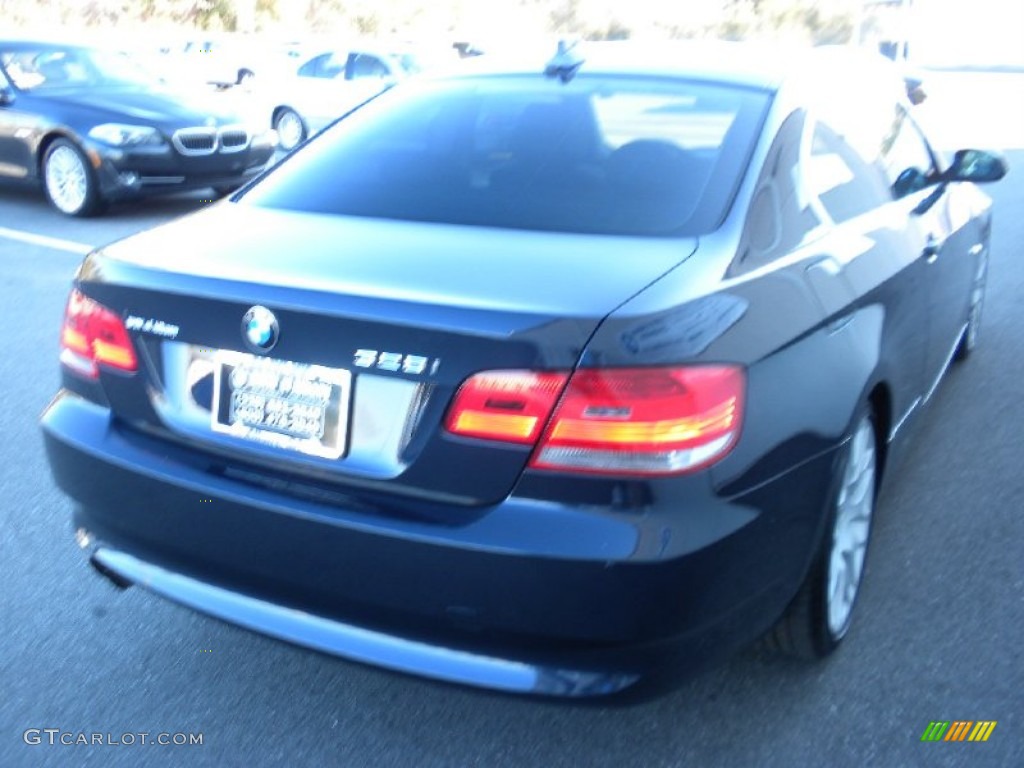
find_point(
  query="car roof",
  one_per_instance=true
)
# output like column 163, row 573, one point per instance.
column 15, row 43
column 764, row 66
column 371, row 48
column 29, row 44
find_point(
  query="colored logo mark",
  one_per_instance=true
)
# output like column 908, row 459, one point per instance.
column 959, row 730
column 259, row 329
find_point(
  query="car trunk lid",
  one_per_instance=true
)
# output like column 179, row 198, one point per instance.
column 377, row 324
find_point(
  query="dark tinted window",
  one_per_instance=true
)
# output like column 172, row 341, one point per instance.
column 326, row 65
column 780, row 216
column 845, row 182
column 364, row 65
column 601, row 155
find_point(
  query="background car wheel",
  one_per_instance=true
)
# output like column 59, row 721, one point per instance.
column 820, row 614
column 291, row 130
column 69, row 180
column 245, row 76
column 969, row 341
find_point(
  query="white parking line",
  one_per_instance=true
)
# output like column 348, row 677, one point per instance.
column 48, row 242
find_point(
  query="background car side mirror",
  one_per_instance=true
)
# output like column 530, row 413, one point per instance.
column 976, row 165
column 915, row 89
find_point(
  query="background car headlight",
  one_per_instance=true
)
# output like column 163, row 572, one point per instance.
column 119, row 135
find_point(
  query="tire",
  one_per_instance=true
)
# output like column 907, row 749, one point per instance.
column 69, row 180
column 969, row 340
column 290, row 127
column 820, row 615
column 245, row 76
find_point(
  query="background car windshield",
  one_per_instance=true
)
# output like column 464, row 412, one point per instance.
column 43, row 68
column 632, row 156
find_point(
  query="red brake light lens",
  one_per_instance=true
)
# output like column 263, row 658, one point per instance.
column 634, row 421
column 644, row 420
column 511, row 406
column 93, row 335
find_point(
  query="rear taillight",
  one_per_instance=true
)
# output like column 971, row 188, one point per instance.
column 511, row 406
column 92, row 336
column 644, row 421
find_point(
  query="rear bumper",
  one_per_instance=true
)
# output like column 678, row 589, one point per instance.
column 357, row 643
column 527, row 595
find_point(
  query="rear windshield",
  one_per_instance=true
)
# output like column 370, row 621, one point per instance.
column 630, row 156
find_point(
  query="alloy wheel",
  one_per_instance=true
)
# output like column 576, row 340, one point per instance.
column 290, row 130
column 851, row 529
column 977, row 303
column 67, row 179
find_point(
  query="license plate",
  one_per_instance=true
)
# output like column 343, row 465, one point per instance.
column 299, row 407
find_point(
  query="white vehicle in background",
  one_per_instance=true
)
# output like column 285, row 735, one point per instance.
column 225, row 62
column 887, row 26
column 325, row 85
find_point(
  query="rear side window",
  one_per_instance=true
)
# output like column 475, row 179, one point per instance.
column 846, row 183
column 634, row 156
column 780, row 217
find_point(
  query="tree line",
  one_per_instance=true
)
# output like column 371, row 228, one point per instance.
column 816, row 21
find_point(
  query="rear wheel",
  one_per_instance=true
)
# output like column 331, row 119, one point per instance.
column 820, row 615
column 969, row 341
column 69, row 180
column 291, row 130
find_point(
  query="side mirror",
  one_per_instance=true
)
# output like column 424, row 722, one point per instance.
column 976, row 165
column 913, row 83
column 915, row 91
column 6, row 95
column 910, row 181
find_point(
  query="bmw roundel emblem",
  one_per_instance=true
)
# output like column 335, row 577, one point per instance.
column 259, row 329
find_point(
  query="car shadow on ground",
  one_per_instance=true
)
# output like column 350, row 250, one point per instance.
column 27, row 199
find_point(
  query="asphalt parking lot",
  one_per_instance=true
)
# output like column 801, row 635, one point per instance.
column 938, row 636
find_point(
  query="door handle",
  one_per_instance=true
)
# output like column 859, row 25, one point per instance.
column 932, row 248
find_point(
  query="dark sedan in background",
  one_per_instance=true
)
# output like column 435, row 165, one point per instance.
column 93, row 127
column 533, row 376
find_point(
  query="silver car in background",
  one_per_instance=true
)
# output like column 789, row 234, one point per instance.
column 325, row 85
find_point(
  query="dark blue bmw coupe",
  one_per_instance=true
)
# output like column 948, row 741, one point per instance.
column 534, row 377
